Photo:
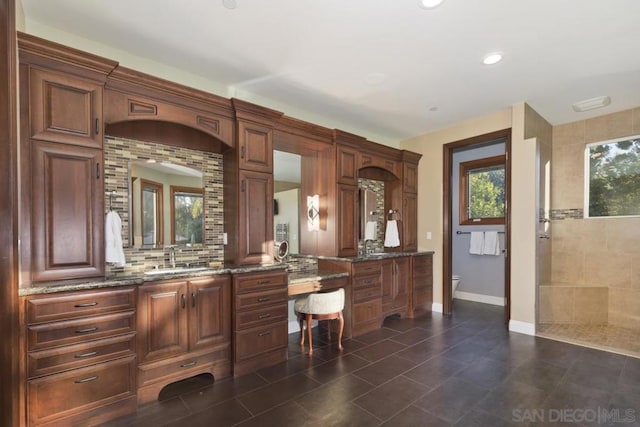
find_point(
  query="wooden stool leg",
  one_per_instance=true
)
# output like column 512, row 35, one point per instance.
column 340, row 330
column 309, row 333
column 301, row 329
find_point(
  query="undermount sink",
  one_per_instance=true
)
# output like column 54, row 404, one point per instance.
column 176, row 270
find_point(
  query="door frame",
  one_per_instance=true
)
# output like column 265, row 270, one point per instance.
column 447, row 216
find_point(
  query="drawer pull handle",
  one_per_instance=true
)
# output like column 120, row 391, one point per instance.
column 86, row 330
column 264, row 282
column 186, row 365
column 263, row 299
column 83, row 355
column 86, row 380
column 86, row 304
column 184, row 301
column 264, row 334
column 264, row 316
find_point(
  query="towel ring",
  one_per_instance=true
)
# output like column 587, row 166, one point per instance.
column 392, row 215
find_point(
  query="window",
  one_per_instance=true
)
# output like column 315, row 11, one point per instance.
column 613, row 178
column 482, row 191
column 151, row 218
column 187, row 215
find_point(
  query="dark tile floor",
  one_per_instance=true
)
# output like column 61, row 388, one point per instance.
column 463, row 370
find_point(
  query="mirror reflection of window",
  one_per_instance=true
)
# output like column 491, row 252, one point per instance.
column 151, row 218
column 187, row 215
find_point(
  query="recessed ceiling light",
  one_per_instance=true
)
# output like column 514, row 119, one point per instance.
column 429, row 4
column 492, row 58
column 229, row 4
column 433, row 109
column 591, row 104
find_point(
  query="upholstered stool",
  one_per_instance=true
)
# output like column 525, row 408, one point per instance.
column 320, row 306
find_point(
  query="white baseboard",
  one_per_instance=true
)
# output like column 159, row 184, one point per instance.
column 436, row 307
column 486, row 299
column 522, row 327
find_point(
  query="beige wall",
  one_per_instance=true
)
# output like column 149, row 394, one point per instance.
column 595, row 270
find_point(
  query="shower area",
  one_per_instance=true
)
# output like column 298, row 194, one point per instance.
column 588, row 268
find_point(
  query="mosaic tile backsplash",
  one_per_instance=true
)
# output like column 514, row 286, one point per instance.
column 118, row 152
column 378, row 188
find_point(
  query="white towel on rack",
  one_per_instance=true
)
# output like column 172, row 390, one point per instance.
column 491, row 244
column 392, row 236
column 113, row 252
column 370, row 230
column 476, row 242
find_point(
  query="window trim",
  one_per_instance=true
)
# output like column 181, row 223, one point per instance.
column 159, row 190
column 172, row 207
column 587, row 176
column 463, row 206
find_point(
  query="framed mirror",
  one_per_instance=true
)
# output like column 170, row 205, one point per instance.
column 166, row 204
column 287, row 181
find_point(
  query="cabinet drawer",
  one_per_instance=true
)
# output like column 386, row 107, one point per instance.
column 365, row 294
column 367, row 311
column 75, row 356
column 261, row 299
column 256, row 341
column 257, row 317
column 75, row 331
column 153, row 372
column 366, row 282
column 366, row 268
column 260, row 282
column 80, row 390
column 79, row 304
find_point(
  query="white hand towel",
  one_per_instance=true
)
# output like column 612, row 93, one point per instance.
column 113, row 252
column 491, row 244
column 392, row 236
column 476, row 242
column 370, row 230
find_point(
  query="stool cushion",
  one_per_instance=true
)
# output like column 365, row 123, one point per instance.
column 321, row 303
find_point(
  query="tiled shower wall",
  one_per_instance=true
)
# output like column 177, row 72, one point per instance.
column 118, row 152
column 595, row 269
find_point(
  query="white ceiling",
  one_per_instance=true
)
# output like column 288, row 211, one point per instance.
column 379, row 68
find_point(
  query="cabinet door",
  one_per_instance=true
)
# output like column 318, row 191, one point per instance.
column 209, row 312
column 256, row 217
column 346, row 165
column 401, row 281
column 410, row 178
column 65, row 109
column 347, row 220
column 410, row 223
column 162, row 320
column 67, row 232
column 255, row 143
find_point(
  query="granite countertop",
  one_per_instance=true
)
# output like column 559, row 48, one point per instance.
column 375, row 256
column 141, row 278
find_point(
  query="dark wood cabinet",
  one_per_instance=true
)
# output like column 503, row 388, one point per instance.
column 410, row 223
column 260, row 320
column 255, row 210
column 185, row 330
column 67, row 224
column 80, row 357
column 422, row 284
column 347, row 219
column 65, row 109
column 346, row 159
column 255, row 143
column 395, row 285
column 410, row 179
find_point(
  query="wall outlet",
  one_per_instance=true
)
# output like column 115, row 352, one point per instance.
column 428, row 235
column 224, row 238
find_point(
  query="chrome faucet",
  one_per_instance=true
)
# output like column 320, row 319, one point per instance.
column 172, row 256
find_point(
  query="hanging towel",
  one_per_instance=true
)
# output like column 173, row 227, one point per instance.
column 476, row 243
column 391, row 236
column 370, row 230
column 491, row 244
column 113, row 252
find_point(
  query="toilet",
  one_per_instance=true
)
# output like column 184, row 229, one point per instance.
column 455, row 281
